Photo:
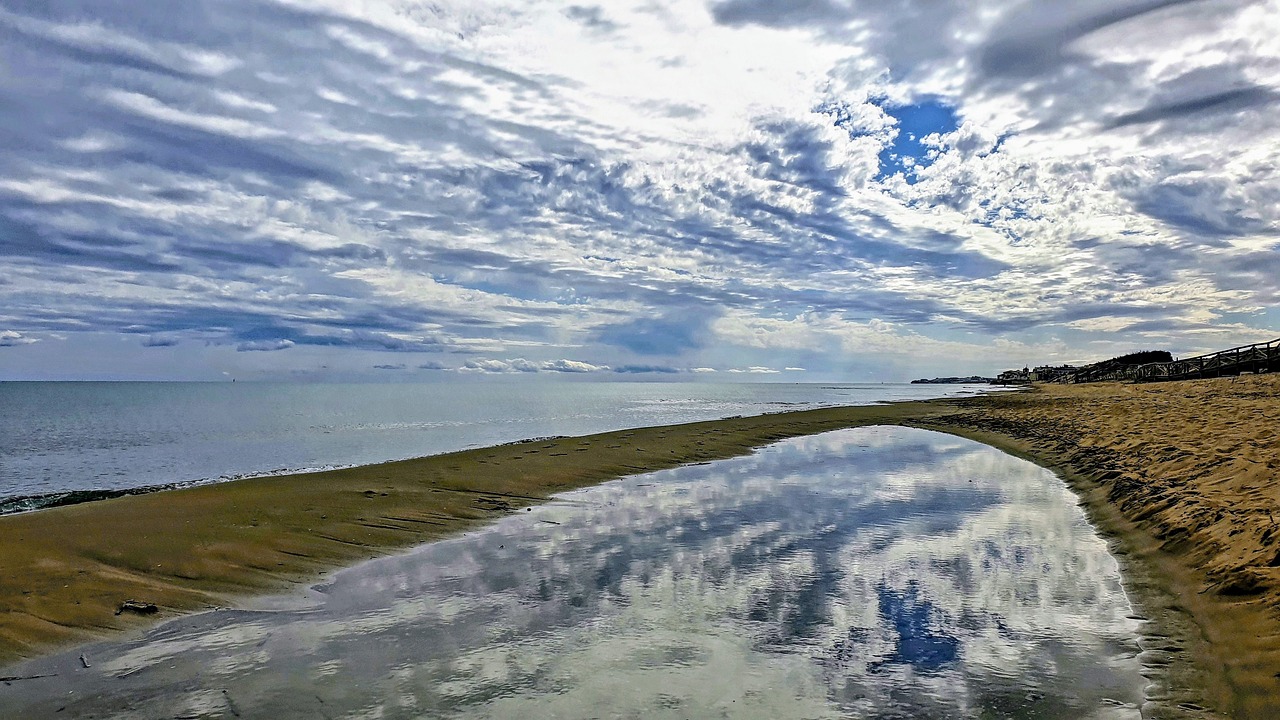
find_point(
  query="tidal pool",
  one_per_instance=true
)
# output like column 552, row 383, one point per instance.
column 867, row 573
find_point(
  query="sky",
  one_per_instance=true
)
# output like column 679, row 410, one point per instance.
column 817, row 190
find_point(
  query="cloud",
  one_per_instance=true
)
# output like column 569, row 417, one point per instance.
column 593, row 17
column 398, row 366
column 734, row 184
column 572, row 366
column 488, row 365
column 647, row 369
column 154, row 341
column 264, row 345
column 12, row 338
column 670, row 335
column 1227, row 101
column 763, row 12
column 433, row 366
column 521, row 365
column 1033, row 41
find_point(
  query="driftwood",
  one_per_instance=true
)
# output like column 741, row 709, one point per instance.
column 12, row 678
column 136, row 606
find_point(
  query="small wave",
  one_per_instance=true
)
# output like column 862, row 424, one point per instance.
column 27, row 503
column 42, row 501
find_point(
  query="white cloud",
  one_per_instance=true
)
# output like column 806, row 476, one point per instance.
column 521, row 365
column 150, row 107
column 573, row 366
column 265, row 345
column 12, row 338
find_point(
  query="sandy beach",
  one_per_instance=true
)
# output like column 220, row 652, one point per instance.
column 1179, row 476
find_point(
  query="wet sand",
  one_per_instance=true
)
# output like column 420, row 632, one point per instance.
column 1180, row 476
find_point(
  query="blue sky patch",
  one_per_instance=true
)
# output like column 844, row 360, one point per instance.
column 906, row 154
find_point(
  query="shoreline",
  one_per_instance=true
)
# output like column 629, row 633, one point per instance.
column 65, row 571
column 1212, row 638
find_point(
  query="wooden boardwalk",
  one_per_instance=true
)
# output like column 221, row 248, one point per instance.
column 1256, row 358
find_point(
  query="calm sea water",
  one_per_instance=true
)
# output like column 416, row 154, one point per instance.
column 62, row 437
column 869, row 573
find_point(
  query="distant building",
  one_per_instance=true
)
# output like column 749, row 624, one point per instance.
column 1051, row 373
column 1014, row 377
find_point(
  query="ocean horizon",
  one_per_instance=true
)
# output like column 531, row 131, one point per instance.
column 67, row 441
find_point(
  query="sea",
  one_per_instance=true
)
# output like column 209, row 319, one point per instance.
column 66, row 442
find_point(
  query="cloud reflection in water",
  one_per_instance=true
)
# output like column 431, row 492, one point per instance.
column 873, row 573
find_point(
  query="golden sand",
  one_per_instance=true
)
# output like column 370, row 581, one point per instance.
column 1181, row 476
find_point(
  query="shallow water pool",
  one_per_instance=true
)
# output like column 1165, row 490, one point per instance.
column 867, row 573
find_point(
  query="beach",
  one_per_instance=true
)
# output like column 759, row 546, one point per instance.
column 1177, row 476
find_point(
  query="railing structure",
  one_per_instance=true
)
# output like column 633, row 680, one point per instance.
column 1101, row 372
column 1259, row 357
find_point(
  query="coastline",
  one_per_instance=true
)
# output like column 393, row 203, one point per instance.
column 65, row 571
column 1185, row 517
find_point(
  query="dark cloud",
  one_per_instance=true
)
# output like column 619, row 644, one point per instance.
column 1203, row 208
column 400, row 366
column 906, row 35
column 669, row 335
column 1154, row 262
column 647, row 369
column 774, row 14
column 153, row 341
column 1259, row 270
column 346, row 337
column 1036, row 39
column 591, row 16
column 1226, row 101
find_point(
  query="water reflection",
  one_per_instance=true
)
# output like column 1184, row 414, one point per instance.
column 874, row 573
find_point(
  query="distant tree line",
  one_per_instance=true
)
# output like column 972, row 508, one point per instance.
column 1141, row 357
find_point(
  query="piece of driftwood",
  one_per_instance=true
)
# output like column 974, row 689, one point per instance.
column 12, row 678
column 137, row 606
